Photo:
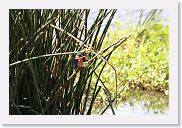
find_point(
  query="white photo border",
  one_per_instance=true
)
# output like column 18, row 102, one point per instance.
column 171, row 118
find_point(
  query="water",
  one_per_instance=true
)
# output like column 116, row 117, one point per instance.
column 137, row 103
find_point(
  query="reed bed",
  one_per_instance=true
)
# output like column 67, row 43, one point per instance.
column 43, row 43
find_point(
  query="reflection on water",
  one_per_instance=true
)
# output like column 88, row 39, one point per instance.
column 137, row 103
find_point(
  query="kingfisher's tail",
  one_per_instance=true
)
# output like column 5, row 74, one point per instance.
column 77, row 77
column 76, row 72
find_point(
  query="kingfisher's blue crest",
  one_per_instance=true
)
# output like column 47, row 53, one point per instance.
column 79, row 54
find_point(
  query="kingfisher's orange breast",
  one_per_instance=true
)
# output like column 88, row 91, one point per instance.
column 79, row 63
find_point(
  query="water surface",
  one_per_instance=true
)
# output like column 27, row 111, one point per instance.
column 137, row 103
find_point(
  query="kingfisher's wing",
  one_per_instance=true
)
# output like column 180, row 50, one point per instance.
column 75, row 63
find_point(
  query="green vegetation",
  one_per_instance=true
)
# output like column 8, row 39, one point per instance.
column 47, row 40
column 144, row 58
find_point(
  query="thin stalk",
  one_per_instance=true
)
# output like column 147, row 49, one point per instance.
column 38, row 57
column 107, row 93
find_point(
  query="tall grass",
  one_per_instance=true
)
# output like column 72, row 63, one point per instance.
column 38, row 84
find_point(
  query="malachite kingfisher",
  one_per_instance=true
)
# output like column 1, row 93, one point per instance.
column 78, row 61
